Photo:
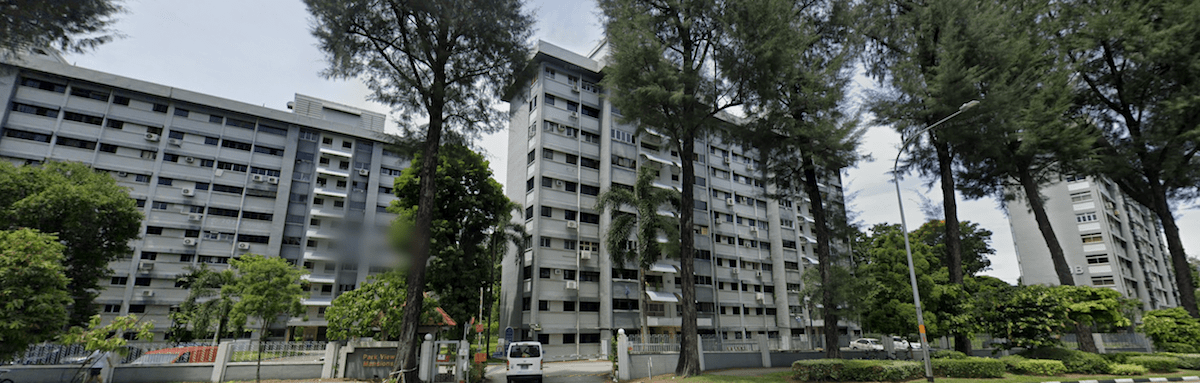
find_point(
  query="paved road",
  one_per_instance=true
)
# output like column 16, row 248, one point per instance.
column 562, row 372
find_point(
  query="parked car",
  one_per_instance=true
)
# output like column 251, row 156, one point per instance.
column 867, row 344
column 904, row 344
column 524, row 362
column 193, row 354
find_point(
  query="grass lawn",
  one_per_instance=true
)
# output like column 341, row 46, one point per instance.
column 786, row 376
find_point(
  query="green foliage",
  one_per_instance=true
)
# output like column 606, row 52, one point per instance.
column 265, row 287
column 1186, row 361
column 1028, row 316
column 1040, row 367
column 206, row 309
column 33, row 290
column 648, row 225
column 1087, row 304
column 374, row 309
column 1172, row 330
column 470, row 205
column 1155, row 363
column 947, row 354
column 970, row 367
column 70, row 25
column 107, row 338
column 840, row 370
column 1120, row 357
column 975, row 242
column 1011, row 361
column 1077, row 362
column 1127, row 369
column 89, row 214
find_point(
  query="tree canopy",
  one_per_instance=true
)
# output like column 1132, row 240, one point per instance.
column 206, row 309
column 266, row 288
column 470, row 205
column 372, row 310
column 447, row 60
column 33, row 290
column 69, row 25
column 86, row 210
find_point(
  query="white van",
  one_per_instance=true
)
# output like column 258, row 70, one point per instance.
column 524, row 362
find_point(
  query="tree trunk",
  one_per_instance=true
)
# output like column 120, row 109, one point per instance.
column 1083, row 331
column 1179, row 262
column 1038, row 206
column 406, row 352
column 642, row 303
column 262, row 336
column 689, row 344
column 824, row 258
column 962, row 341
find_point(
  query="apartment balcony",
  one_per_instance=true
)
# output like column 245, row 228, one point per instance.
column 312, row 255
column 333, row 172
column 332, row 192
column 329, row 212
column 318, row 301
column 318, row 278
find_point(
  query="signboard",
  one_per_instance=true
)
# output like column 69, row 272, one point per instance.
column 508, row 335
column 370, row 363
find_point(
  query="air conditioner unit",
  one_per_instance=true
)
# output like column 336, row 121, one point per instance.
column 559, row 183
column 147, row 293
column 729, row 201
column 189, row 159
column 572, row 224
column 195, row 217
column 734, row 271
column 188, row 191
column 189, row 242
column 243, row 245
column 364, row 172
column 273, row 180
column 259, row 178
column 175, row 142
column 726, row 160
column 575, row 88
column 572, row 285
column 122, row 174
column 151, row 137
column 758, row 273
column 574, row 115
column 146, row 266
column 760, row 296
column 219, row 172
column 754, row 230
column 585, row 255
column 562, row 128
column 750, row 167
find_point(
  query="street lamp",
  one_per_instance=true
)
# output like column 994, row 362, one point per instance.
column 912, row 274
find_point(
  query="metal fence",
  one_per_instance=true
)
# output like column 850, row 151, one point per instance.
column 57, row 354
column 277, row 351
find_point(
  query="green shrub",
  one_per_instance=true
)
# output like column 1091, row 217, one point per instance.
column 881, row 371
column 1120, row 357
column 1127, row 369
column 1186, row 361
column 1077, row 362
column 972, row 367
column 1182, row 348
column 1011, row 361
column 1155, row 363
column 947, row 354
column 1044, row 367
column 818, row 370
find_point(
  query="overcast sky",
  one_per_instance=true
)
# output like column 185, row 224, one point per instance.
column 260, row 52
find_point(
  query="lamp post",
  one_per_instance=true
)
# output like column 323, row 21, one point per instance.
column 912, row 274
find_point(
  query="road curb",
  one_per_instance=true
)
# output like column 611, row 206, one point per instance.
column 1136, row 380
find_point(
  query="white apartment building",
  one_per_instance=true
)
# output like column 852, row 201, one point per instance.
column 215, row 178
column 566, row 146
column 1108, row 239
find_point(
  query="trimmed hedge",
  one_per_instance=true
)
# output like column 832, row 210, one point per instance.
column 1044, row 367
column 947, row 354
column 972, row 367
column 839, row 370
column 1189, row 361
column 1011, row 361
column 1127, row 369
column 1077, row 362
column 1155, row 363
column 1182, row 348
column 1120, row 357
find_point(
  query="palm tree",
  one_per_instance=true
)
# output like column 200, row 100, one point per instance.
column 649, row 225
column 506, row 231
column 207, row 301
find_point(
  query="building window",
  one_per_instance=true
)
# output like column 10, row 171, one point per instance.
column 1085, row 217
column 1081, row 196
column 1097, row 259
column 545, row 242
column 1106, row 280
column 1092, row 238
column 119, row 280
column 589, row 307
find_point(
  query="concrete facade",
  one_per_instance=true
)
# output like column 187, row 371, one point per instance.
column 215, row 178
column 1108, row 239
column 565, row 147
